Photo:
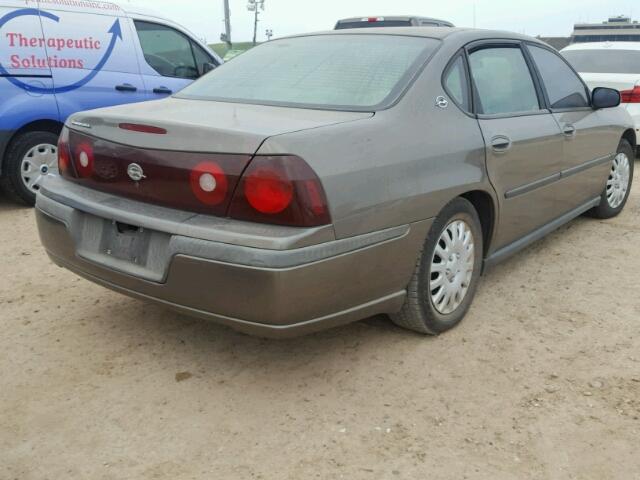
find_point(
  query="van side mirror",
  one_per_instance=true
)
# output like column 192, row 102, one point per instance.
column 207, row 67
column 605, row 98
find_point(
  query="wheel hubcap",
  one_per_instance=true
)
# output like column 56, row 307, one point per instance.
column 41, row 160
column 452, row 267
column 618, row 182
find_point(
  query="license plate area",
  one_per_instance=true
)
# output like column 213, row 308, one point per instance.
column 129, row 243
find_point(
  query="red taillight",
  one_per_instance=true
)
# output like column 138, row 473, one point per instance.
column 268, row 190
column 64, row 157
column 631, row 96
column 280, row 190
column 136, row 127
column 209, row 183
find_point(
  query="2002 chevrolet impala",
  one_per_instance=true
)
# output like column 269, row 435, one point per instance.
column 325, row 178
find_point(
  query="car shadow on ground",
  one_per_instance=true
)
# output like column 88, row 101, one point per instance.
column 206, row 343
column 8, row 205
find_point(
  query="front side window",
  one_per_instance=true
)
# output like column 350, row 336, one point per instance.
column 204, row 62
column 166, row 50
column 564, row 88
column 503, row 81
column 455, row 83
column 343, row 72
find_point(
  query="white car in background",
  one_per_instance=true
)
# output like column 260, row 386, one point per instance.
column 612, row 65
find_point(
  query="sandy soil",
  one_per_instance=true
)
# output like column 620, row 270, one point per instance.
column 542, row 380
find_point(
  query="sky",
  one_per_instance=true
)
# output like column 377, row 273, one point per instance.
column 285, row 17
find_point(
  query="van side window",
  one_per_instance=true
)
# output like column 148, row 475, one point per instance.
column 564, row 88
column 167, row 51
column 503, row 81
column 456, row 85
column 204, row 62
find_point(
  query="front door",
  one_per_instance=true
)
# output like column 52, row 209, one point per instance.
column 26, row 84
column 523, row 140
column 587, row 154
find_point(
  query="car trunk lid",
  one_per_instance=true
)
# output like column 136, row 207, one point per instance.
column 203, row 126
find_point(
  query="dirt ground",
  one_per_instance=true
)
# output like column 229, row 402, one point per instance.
column 542, row 380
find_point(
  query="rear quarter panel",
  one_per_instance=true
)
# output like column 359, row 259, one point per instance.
column 401, row 166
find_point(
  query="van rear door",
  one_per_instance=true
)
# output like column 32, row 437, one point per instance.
column 91, row 55
column 26, row 85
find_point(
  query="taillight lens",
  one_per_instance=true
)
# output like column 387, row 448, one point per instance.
column 83, row 158
column 281, row 190
column 631, row 96
column 196, row 182
column 209, row 183
column 64, row 157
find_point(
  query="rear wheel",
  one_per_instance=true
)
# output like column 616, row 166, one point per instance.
column 29, row 158
column 616, row 192
column 447, row 272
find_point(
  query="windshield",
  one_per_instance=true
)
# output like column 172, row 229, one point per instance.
column 341, row 72
column 604, row 61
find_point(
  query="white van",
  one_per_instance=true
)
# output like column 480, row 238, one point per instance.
column 58, row 57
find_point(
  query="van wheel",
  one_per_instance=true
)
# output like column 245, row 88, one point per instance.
column 447, row 272
column 616, row 192
column 29, row 158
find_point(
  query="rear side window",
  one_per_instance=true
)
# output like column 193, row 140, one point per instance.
column 564, row 88
column 167, row 51
column 455, row 83
column 503, row 81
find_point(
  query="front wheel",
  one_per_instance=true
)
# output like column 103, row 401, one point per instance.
column 447, row 272
column 616, row 192
column 28, row 159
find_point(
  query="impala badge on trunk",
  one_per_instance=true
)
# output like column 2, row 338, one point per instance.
column 135, row 172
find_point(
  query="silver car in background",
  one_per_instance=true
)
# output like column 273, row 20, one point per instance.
column 321, row 179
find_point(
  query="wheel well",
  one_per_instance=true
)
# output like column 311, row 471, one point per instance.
column 37, row 126
column 40, row 126
column 483, row 203
column 630, row 136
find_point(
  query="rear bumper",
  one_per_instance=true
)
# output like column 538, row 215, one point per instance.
column 266, row 292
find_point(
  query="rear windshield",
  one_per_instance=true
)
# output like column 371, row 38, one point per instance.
column 604, row 61
column 359, row 72
column 368, row 24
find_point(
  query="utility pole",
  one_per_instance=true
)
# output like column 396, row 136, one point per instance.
column 226, row 37
column 255, row 6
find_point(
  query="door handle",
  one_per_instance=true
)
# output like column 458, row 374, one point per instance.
column 569, row 131
column 162, row 91
column 126, row 87
column 501, row 143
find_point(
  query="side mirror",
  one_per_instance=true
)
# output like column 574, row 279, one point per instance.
column 605, row 98
column 207, row 67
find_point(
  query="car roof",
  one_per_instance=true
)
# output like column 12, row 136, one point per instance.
column 462, row 35
column 393, row 18
column 603, row 46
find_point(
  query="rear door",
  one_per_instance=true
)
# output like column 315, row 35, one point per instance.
column 523, row 140
column 170, row 59
column 588, row 142
column 91, row 55
column 26, row 84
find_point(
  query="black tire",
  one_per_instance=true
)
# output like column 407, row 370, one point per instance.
column 605, row 210
column 11, row 181
column 419, row 312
